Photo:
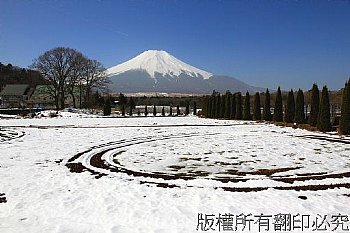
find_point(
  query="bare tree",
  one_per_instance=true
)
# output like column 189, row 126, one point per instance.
column 57, row 65
column 75, row 79
column 94, row 77
column 66, row 69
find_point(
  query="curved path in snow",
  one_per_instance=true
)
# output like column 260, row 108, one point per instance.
column 102, row 160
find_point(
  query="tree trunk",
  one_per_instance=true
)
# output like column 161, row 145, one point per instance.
column 73, row 99
column 62, row 97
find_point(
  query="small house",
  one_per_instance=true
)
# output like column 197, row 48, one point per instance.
column 15, row 95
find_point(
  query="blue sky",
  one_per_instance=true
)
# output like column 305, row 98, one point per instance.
column 264, row 43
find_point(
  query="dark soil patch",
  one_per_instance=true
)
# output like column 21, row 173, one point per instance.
column 176, row 167
column 229, row 179
column 76, row 167
column 2, row 198
column 325, row 138
column 311, row 174
column 162, row 185
column 291, row 180
column 315, row 187
column 270, row 172
column 79, row 168
column 265, row 172
column 243, row 189
column 58, row 161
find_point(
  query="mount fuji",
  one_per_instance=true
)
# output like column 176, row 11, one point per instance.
column 158, row 71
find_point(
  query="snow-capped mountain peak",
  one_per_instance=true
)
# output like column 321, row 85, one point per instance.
column 158, row 61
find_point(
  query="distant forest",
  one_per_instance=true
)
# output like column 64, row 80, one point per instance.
column 10, row 74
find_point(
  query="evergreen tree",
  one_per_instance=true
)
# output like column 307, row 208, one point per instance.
column 238, row 106
column 227, row 113
column 218, row 106
column 256, row 108
column 324, row 116
column 178, row 110
column 154, row 110
column 204, row 102
column 171, row 111
column 123, row 110
column 187, row 111
column 247, row 115
column 222, row 106
column 107, row 107
column 344, row 126
column 195, row 108
column 278, row 112
column 163, row 111
column 290, row 108
column 299, row 108
column 209, row 106
column 233, row 106
column 122, row 99
column 213, row 106
column 146, row 110
column 315, row 104
column 267, row 107
column 131, row 105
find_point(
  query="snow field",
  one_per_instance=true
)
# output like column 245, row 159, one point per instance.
column 44, row 196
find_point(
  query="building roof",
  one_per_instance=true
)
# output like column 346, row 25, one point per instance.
column 15, row 89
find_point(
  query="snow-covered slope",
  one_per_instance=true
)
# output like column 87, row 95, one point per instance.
column 158, row 61
column 158, row 71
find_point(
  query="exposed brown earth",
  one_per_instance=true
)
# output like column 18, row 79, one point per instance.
column 2, row 198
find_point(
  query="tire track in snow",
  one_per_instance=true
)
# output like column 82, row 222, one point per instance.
column 10, row 134
column 99, row 160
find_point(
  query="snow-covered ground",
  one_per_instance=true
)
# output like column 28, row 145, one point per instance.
column 164, row 174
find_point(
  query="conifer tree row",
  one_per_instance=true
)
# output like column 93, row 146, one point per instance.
column 229, row 106
column 223, row 106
